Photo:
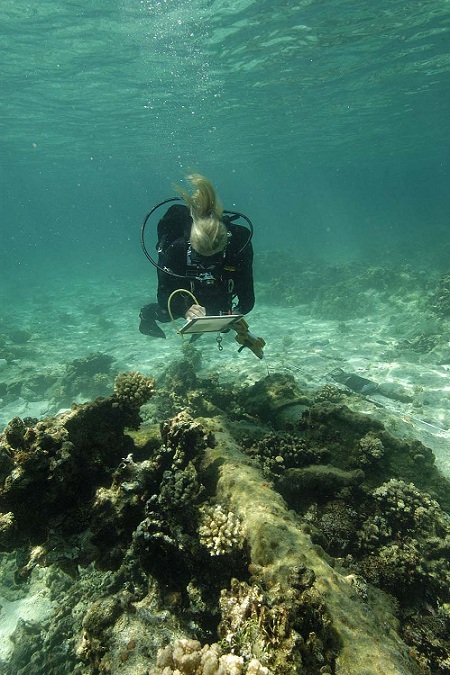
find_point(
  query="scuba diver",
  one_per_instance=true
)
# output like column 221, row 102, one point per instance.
column 203, row 252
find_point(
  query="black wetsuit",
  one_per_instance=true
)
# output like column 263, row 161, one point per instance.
column 216, row 281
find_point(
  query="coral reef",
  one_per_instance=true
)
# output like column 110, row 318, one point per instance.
column 51, row 467
column 400, row 540
column 88, row 377
column 346, row 290
column 313, row 543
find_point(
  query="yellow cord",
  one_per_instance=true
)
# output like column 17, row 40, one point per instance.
column 179, row 290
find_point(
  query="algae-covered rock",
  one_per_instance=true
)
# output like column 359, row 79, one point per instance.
column 316, row 483
column 349, row 629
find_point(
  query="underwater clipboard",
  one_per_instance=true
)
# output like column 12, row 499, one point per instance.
column 209, row 324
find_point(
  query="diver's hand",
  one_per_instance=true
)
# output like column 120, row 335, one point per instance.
column 195, row 311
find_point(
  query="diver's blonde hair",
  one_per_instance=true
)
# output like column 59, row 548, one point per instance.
column 208, row 233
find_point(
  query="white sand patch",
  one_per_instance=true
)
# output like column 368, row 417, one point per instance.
column 33, row 608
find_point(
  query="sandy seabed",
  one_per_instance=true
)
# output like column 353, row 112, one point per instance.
column 60, row 325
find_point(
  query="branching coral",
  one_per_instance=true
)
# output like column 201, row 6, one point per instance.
column 220, row 531
column 407, row 509
column 371, row 449
column 405, row 543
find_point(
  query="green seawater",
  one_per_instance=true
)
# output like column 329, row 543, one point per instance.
column 326, row 122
